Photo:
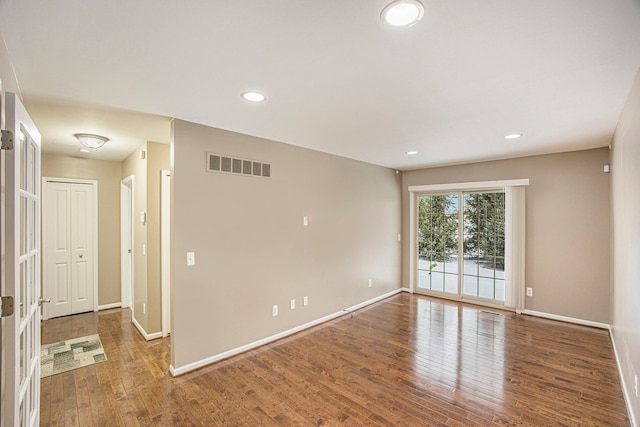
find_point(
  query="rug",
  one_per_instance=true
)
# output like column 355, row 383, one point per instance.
column 71, row 354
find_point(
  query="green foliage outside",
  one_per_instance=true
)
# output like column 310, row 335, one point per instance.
column 483, row 228
column 437, row 231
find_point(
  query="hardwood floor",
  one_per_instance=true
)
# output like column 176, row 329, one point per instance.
column 408, row 360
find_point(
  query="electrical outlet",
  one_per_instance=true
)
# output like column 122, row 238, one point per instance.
column 292, row 304
column 635, row 384
column 370, row 283
column 529, row 292
column 144, row 308
column 274, row 311
column 305, row 301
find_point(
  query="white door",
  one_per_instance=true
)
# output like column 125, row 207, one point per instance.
column 20, row 352
column 69, row 230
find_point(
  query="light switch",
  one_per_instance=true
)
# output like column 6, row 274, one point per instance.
column 305, row 221
column 191, row 258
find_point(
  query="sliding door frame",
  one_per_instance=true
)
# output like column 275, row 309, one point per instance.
column 421, row 190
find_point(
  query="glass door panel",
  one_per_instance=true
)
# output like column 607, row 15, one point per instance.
column 483, row 245
column 438, row 242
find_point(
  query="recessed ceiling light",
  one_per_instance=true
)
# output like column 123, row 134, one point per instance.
column 513, row 136
column 412, row 153
column 402, row 13
column 253, row 96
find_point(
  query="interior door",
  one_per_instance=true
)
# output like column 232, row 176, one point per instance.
column 69, row 255
column 21, row 252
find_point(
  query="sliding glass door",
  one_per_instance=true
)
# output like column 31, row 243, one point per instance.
column 460, row 244
column 438, row 243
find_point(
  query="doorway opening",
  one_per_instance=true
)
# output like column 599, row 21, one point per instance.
column 126, row 241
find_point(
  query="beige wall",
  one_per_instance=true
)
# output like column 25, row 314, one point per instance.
column 7, row 76
column 625, row 243
column 567, row 235
column 146, row 198
column 107, row 174
column 134, row 165
column 252, row 250
column 158, row 159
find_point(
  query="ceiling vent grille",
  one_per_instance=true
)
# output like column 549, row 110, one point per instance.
column 221, row 163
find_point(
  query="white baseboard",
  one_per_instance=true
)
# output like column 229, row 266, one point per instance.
column 209, row 360
column 144, row 333
column 627, row 398
column 405, row 289
column 566, row 319
column 109, row 306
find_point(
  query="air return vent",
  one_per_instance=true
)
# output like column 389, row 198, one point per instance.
column 233, row 165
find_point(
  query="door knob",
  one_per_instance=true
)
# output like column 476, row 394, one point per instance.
column 80, row 255
column 42, row 300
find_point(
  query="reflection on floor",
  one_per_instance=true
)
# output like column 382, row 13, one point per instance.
column 408, row 360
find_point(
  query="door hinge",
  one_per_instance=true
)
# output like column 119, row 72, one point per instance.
column 6, row 306
column 7, row 140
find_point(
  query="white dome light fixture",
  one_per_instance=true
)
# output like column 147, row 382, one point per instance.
column 253, row 96
column 513, row 136
column 402, row 13
column 412, row 153
column 91, row 141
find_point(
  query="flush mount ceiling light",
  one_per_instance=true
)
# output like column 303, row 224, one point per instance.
column 91, row 141
column 513, row 136
column 402, row 13
column 253, row 96
column 412, row 153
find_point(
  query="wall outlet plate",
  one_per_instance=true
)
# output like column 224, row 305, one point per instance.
column 305, row 301
column 274, row 311
column 529, row 292
column 635, row 384
column 292, row 304
column 370, row 283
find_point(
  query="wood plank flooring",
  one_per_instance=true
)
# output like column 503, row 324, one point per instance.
column 408, row 361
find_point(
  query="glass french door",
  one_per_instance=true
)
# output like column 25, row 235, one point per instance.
column 21, row 331
column 460, row 245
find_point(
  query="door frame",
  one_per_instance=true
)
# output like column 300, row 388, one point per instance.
column 126, row 236
column 165, row 249
column 417, row 190
column 94, row 183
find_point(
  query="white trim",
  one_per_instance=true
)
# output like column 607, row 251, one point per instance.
column 405, row 289
column 215, row 358
column 627, row 397
column 144, row 333
column 462, row 186
column 566, row 319
column 165, row 249
column 126, row 296
column 96, row 260
column 413, row 252
column 109, row 306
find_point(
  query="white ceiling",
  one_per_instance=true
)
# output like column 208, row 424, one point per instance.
column 336, row 79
